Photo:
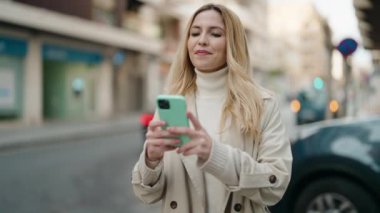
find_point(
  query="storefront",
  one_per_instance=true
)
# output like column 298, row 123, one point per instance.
column 70, row 79
column 12, row 54
column 66, row 67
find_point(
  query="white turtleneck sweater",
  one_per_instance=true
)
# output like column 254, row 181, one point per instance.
column 209, row 99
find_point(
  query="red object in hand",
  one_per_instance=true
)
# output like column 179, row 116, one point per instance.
column 145, row 119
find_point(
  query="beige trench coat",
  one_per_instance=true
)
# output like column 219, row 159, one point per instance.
column 263, row 170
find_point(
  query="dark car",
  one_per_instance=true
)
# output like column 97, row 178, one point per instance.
column 313, row 106
column 336, row 168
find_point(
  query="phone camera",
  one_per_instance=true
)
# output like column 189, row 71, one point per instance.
column 163, row 104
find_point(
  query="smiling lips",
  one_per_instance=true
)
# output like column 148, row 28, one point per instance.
column 202, row 52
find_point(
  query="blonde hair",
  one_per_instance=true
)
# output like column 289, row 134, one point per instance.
column 244, row 103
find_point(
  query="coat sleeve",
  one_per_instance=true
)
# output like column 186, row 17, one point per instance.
column 265, row 179
column 148, row 184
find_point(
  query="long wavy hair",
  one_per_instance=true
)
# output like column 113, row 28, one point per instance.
column 244, row 103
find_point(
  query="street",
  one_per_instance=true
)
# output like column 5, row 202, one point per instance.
column 89, row 175
column 73, row 168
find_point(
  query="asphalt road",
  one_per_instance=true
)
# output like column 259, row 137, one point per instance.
column 90, row 175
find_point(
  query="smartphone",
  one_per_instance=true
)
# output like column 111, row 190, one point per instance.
column 172, row 110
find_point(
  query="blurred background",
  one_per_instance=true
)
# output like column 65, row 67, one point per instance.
column 76, row 77
column 101, row 59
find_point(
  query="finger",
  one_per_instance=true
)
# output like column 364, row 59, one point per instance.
column 153, row 125
column 197, row 125
column 162, row 149
column 169, row 148
column 182, row 131
column 159, row 134
column 156, row 152
column 188, row 146
column 164, row 142
column 194, row 151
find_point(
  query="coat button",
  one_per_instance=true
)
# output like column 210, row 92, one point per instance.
column 272, row 179
column 237, row 207
column 173, row 205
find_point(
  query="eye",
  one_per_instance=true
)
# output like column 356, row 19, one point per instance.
column 194, row 34
column 217, row 35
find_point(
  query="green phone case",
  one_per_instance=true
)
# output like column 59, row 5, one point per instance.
column 172, row 110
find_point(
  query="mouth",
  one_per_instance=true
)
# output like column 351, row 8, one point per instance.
column 202, row 52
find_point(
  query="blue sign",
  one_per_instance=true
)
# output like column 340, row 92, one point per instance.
column 347, row 46
column 13, row 46
column 119, row 58
column 60, row 53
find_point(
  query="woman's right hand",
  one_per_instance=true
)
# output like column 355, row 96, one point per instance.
column 158, row 142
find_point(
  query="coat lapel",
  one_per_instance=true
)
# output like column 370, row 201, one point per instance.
column 196, row 176
column 190, row 162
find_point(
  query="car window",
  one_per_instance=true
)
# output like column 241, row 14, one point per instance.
column 374, row 135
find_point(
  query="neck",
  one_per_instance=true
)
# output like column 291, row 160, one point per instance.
column 213, row 83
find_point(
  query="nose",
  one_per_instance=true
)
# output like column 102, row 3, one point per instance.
column 203, row 39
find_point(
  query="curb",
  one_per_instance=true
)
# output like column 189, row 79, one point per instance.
column 47, row 134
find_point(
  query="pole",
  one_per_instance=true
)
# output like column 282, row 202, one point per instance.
column 347, row 83
column 329, row 83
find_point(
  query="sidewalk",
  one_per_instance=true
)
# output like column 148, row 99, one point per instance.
column 17, row 136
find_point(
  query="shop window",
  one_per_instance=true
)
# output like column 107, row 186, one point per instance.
column 77, row 87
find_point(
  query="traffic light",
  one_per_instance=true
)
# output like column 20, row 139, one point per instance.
column 295, row 105
column 334, row 106
column 318, row 83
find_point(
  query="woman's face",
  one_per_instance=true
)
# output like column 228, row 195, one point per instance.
column 207, row 42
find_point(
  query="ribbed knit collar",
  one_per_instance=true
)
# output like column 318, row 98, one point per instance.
column 211, row 84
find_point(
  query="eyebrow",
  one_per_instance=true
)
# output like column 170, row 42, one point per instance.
column 211, row 28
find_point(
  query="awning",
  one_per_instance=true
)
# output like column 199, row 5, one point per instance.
column 49, row 21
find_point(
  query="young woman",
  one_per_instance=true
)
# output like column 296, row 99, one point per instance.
column 239, row 157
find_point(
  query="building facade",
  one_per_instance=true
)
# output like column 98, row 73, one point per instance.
column 301, row 44
column 73, row 59
column 95, row 59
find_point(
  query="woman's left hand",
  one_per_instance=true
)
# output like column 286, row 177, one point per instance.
column 200, row 143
